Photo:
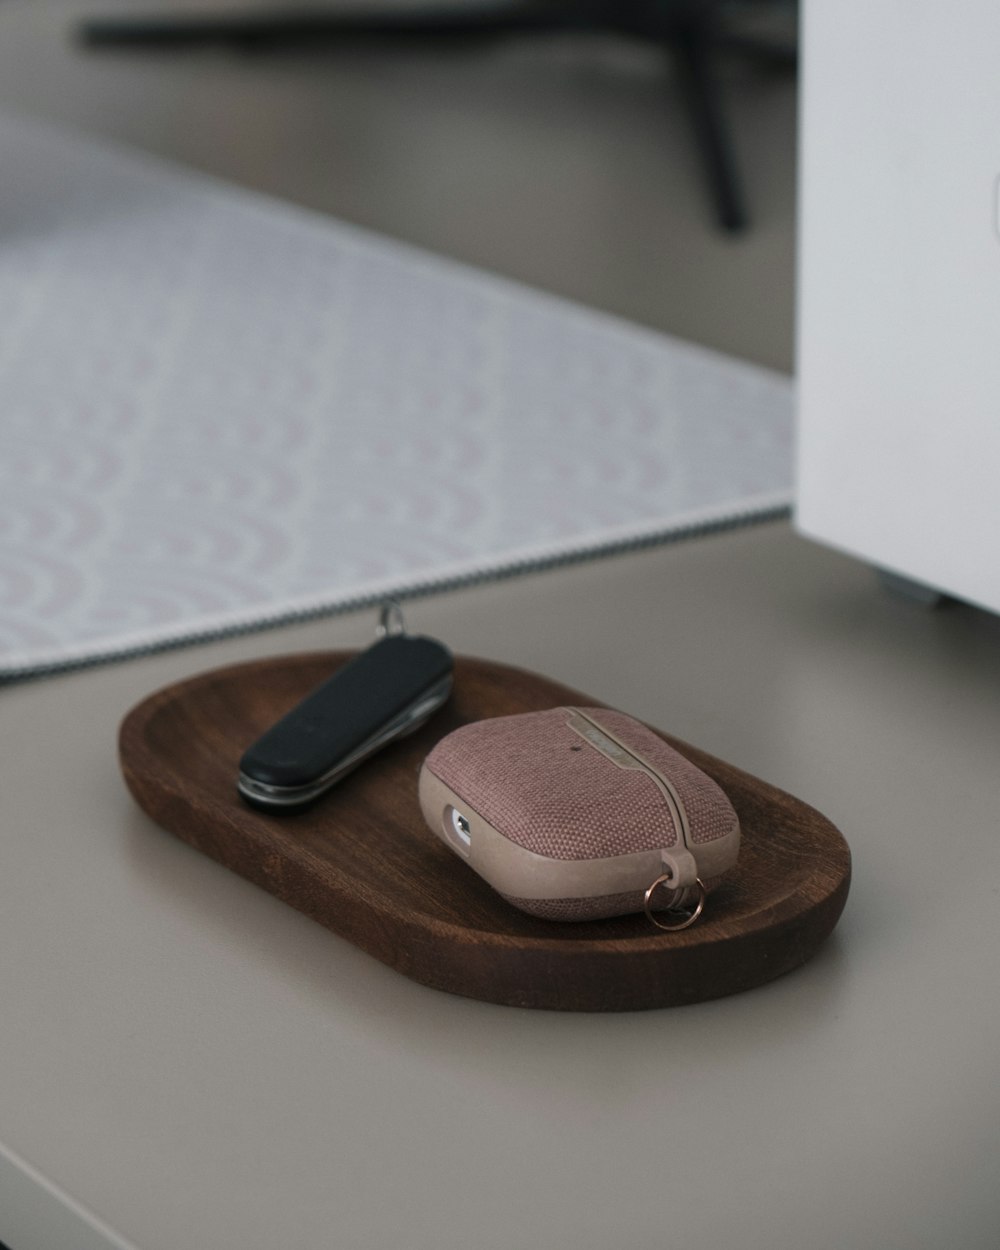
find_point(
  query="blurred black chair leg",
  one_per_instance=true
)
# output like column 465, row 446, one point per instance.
column 690, row 30
column 693, row 48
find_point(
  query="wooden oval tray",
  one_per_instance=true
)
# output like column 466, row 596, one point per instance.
column 362, row 862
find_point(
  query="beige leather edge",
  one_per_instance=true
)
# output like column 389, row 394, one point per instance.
column 678, row 861
column 513, row 870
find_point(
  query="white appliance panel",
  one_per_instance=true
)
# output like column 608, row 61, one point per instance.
column 898, row 448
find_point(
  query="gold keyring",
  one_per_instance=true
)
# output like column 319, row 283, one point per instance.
column 665, row 879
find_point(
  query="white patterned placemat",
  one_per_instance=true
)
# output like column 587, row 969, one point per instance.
column 219, row 411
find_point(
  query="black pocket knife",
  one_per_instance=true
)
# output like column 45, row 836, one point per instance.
column 384, row 693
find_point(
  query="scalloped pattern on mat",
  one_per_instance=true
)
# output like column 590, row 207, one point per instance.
column 221, row 410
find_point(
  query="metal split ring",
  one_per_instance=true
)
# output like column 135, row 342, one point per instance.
column 390, row 620
column 665, row 879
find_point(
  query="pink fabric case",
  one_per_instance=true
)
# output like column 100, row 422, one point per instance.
column 572, row 813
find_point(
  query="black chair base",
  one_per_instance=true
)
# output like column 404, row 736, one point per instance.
column 692, row 31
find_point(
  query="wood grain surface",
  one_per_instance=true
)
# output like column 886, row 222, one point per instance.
column 362, row 862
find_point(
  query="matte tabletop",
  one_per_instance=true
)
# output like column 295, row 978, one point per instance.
column 187, row 1061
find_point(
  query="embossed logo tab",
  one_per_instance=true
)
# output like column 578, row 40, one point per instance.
column 617, row 753
column 607, row 746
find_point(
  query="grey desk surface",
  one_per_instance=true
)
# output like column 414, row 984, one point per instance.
column 193, row 1064
column 199, row 1065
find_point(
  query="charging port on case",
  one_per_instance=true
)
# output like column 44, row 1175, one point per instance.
column 457, row 830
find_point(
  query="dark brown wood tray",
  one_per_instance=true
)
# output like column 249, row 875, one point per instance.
column 362, row 862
